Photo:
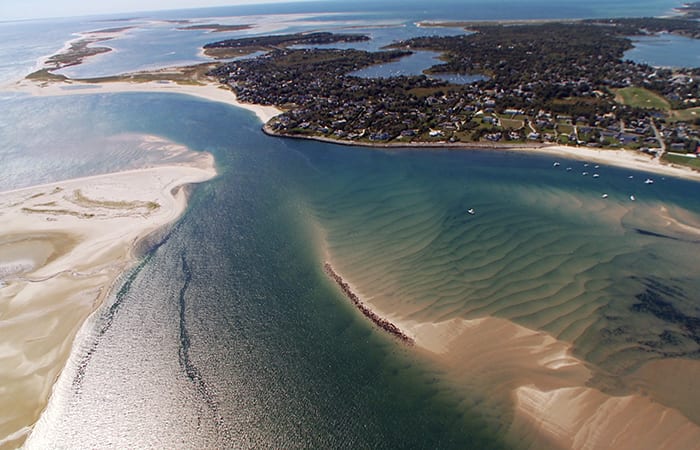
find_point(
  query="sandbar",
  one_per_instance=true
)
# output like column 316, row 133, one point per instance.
column 534, row 392
column 62, row 246
column 210, row 91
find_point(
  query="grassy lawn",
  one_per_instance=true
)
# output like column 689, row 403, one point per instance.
column 641, row 98
column 512, row 123
column 682, row 160
column 685, row 115
column 565, row 128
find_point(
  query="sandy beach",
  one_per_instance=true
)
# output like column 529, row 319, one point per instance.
column 62, row 246
column 213, row 91
column 620, row 158
column 208, row 91
column 630, row 159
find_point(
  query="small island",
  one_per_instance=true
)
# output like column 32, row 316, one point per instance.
column 231, row 48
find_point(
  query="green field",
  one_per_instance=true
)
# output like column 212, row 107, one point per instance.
column 685, row 115
column 682, row 160
column 565, row 128
column 641, row 98
column 512, row 123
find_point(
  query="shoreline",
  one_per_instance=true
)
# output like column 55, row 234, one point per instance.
column 213, row 91
column 63, row 245
column 626, row 159
column 209, row 91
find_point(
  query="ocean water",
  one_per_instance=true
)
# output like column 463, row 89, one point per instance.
column 156, row 41
column 275, row 355
column 229, row 334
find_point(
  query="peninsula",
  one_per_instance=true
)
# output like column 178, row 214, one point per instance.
column 545, row 83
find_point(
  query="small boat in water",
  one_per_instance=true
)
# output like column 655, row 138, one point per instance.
column 632, row 197
column 584, row 173
column 556, row 164
column 648, row 181
column 604, row 196
column 595, row 175
column 471, row 211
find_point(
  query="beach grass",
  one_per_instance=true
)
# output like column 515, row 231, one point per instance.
column 80, row 199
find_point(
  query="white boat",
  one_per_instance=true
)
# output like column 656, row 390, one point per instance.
column 568, row 169
column 584, row 173
column 632, row 198
column 471, row 211
column 595, row 175
column 604, row 196
column 556, row 164
column 648, row 181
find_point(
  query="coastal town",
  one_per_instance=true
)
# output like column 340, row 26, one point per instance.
column 561, row 83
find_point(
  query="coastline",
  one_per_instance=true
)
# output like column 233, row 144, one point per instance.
column 63, row 245
column 209, row 91
column 532, row 402
column 216, row 92
column 627, row 159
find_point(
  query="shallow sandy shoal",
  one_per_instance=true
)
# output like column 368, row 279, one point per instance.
column 63, row 245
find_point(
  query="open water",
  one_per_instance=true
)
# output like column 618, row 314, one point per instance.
column 229, row 334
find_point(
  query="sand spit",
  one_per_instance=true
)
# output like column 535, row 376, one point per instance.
column 584, row 418
column 209, row 91
column 62, row 245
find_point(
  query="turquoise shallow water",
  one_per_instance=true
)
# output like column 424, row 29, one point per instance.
column 543, row 249
column 231, row 334
column 233, row 320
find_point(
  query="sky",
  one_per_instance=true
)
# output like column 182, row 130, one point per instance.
column 37, row 9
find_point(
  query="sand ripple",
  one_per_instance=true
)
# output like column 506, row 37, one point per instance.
column 543, row 298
